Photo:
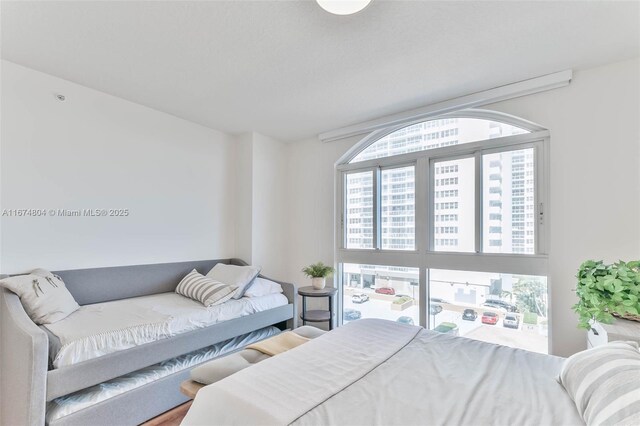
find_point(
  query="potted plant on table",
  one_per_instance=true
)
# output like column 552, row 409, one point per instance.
column 608, row 291
column 318, row 272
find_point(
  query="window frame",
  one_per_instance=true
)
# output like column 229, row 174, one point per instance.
column 375, row 203
column 423, row 256
column 378, row 179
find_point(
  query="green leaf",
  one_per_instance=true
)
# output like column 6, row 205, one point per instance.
column 632, row 310
column 634, row 264
column 604, row 288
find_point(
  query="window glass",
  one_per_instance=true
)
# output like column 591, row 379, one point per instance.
column 506, row 309
column 436, row 134
column 453, row 205
column 398, row 208
column 374, row 291
column 509, row 207
column 359, row 210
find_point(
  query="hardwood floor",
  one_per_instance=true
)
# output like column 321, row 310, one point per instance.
column 172, row 417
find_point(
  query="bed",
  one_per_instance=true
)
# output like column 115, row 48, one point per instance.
column 66, row 405
column 131, row 327
column 380, row 372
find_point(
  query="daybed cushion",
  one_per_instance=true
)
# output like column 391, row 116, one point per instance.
column 44, row 296
column 262, row 287
column 205, row 290
column 239, row 276
column 604, row 383
column 103, row 328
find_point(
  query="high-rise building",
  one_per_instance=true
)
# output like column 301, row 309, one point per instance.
column 508, row 192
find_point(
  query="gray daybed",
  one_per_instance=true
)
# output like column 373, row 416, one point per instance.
column 27, row 383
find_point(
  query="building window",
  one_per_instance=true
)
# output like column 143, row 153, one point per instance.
column 420, row 137
column 464, row 196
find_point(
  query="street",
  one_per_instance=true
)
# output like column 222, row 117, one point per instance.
column 525, row 337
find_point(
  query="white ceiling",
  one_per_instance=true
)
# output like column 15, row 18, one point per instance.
column 289, row 70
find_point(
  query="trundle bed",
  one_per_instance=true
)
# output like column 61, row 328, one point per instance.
column 121, row 357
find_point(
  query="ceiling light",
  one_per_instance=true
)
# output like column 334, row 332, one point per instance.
column 343, row 7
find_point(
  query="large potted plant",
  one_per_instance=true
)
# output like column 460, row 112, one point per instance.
column 606, row 291
column 318, row 272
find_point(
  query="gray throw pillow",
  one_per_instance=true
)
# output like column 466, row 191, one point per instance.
column 239, row 276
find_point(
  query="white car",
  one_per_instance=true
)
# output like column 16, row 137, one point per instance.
column 511, row 321
column 359, row 298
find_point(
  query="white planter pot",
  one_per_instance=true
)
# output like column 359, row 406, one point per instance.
column 318, row 283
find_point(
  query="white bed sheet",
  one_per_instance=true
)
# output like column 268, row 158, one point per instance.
column 102, row 328
column 377, row 372
column 77, row 401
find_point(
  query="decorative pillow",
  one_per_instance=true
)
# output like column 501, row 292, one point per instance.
column 205, row 290
column 262, row 287
column 44, row 296
column 240, row 276
column 604, row 383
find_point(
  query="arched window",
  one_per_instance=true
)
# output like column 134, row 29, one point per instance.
column 460, row 198
column 436, row 134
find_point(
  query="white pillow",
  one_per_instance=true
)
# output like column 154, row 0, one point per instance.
column 262, row 287
column 205, row 290
column 44, row 296
column 238, row 276
column 604, row 383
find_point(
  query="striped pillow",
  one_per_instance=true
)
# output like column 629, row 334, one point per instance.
column 205, row 290
column 604, row 383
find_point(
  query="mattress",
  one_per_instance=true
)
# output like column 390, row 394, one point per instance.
column 378, row 372
column 69, row 404
column 102, row 328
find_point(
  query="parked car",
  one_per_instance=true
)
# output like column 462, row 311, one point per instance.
column 438, row 300
column 494, row 306
column 490, row 318
column 469, row 315
column 385, row 290
column 508, row 306
column 448, row 328
column 359, row 298
column 434, row 309
column 404, row 295
column 511, row 320
column 405, row 320
column 351, row 314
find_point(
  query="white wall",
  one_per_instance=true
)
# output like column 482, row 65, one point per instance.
column 99, row 151
column 270, row 207
column 595, row 184
column 261, row 207
column 243, row 166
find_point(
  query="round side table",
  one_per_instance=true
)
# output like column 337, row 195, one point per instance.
column 317, row 315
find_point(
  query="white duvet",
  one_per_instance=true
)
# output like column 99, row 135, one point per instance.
column 377, row 372
column 102, row 328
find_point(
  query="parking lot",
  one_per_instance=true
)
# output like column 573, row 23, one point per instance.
column 525, row 337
